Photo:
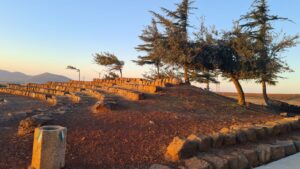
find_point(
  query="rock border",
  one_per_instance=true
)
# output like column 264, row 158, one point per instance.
column 183, row 148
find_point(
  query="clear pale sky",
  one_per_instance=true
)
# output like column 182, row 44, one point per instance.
column 38, row 36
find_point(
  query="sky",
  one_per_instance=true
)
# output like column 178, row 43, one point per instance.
column 38, row 36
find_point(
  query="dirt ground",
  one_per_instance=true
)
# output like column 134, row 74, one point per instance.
column 137, row 134
column 257, row 98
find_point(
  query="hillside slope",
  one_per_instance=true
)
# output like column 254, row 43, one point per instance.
column 137, row 133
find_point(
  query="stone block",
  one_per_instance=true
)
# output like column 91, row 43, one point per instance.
column 196, row 163
column 181, row 149
column 243, row 162
column 297, row 145
column 264, row 153
column 261, row 132
column 159, row 166
column 217, row 140
column 241, row 137
column 289, row 147
column 230, row 138
column 250, row 134
column 277, row 152
column 233, row 161
column 204, row 142
column 252, row 157
column 216, row 161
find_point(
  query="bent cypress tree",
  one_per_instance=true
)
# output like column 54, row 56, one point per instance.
column 111, row 61
column 179, row 50
column 232, row 56
column 153, row 47
column 259, row 25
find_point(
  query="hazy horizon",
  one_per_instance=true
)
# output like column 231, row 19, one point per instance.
column 39, row 37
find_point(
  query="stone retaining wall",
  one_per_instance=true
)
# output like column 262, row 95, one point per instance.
column 40, row 96
column 182, row 148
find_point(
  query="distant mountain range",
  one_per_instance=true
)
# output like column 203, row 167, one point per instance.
column 18, row 77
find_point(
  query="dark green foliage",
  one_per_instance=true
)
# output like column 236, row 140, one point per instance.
column 109, row 60
column 153, row 47
column 268, row 46
column 178, row 48
column 230, row 55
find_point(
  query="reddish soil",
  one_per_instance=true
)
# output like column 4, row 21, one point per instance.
column 135, row 135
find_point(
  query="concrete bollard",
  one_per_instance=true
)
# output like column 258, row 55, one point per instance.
column 49, row 147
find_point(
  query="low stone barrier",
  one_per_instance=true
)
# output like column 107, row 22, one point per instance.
column 189, row 152
column 37, row 89
column 140, row 81
column 55, row 86
column 40, row 96
column 71, row 96
column 182, row 148
column 131, row 95
column 105, row 103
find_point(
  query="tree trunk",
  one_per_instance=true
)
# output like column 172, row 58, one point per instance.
column 186, row 75
column 158, row 71
column 79, row 75
column 240, row 92
column 264, row 91
column 121, row 74
column 207, row 86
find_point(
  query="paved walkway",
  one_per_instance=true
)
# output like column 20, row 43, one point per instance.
column 291, row 162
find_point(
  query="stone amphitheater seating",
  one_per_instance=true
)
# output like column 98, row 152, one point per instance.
column 37, row 88
column 41, row 96
column 125, row 93
column 128, row 88
column 139, row 81
column 57, row 87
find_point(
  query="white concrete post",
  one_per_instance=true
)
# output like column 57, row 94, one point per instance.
column 49, row 147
